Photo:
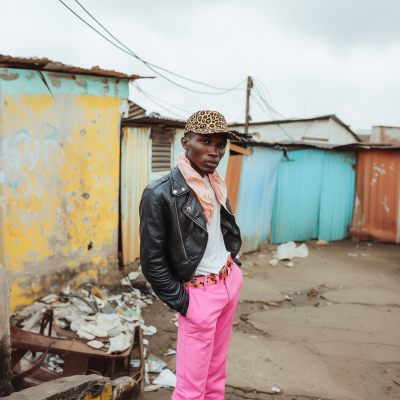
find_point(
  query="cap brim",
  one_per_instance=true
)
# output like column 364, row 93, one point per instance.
column 230, row 135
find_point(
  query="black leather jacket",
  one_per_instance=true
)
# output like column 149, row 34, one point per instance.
column 173, row 237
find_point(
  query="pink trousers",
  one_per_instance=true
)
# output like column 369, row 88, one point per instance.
column 203, row 339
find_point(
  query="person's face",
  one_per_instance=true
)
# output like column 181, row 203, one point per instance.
column 205, row 151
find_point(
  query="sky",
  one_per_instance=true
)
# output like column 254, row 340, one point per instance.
column 313, row 57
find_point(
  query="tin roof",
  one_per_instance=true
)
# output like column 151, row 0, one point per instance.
column 288, row 121
column 44, row 64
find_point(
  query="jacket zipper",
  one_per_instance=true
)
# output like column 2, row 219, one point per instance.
column 180, row 232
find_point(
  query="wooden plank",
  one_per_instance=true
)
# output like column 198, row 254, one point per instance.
column 233, row 178
column 241, row 150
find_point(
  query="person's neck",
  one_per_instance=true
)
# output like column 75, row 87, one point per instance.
column 196, row 168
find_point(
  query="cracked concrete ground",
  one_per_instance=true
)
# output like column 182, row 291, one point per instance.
column 347, row 350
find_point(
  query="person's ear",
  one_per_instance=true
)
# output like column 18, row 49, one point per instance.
column 185, row 143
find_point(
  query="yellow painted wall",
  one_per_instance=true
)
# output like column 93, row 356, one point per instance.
column 59, row 180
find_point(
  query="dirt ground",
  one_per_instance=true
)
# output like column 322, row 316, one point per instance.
column 347, row 348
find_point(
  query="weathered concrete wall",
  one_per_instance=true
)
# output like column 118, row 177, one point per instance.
column 59, row 179
column 91, row 387
column 5, row 351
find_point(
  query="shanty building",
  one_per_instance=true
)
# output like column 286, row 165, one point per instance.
column 327, row 129
column 59, row 174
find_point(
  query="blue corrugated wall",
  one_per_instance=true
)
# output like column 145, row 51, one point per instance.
column 337, row 195
column 314, row 196
column 256, row 195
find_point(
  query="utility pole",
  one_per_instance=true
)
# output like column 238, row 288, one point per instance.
column 249, row 87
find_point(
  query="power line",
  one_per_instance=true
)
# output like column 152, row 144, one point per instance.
column 157, row 98
column 159, row 105
column 149, row 65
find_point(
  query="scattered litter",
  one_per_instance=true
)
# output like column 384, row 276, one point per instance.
column 95, row 344
column 290, row 264
column 120, row 343
column 135, row 362
column 154, row 364
column 170, row 352
column 287, row 251
column 253, row 337
column 265, row 308
column 313, row 292
column 176, row 324
column 50, row 298
column 134, row 275
column 245, row 273
column 125, row 282
column 273, row 262
column 94, row 330
column 167, row 377
column 146, row 342
column 149, row 330
column 84, row 335
column 272, row 303
column 152, row 388
column 116, row 297
column 236, row 323
column 275, row 389
column 322, row 243
column 288, row 297
column 358, row 255
column 320, row 304
column 369, row 244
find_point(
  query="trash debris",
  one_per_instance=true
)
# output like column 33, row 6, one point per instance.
column 95, row 344
column 253, row 337
column 236, row 323
column 320, row 304
column 135, row 362
column 288, row 297
column 166, row 377
column 275, row 389
column 313, row 292
column 358, row 255
column 290, row 264
column 94, row 330
column 369, row 244
column 273, row 262
column 133, row 275
column 170, row 352
column 272, row 303
column 84, row 335
column 322, row 243
column 154, row 364
column 121, row 343
column 152, row 388
column 287, row 251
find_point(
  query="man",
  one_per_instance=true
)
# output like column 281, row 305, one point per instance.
column 189, row 241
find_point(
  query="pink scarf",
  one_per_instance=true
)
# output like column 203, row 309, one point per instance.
column 199, row 186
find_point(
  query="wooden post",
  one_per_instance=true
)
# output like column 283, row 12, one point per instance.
column 249, row 87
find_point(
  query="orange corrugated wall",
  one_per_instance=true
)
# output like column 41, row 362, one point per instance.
column 376, row 204
column 233, row 179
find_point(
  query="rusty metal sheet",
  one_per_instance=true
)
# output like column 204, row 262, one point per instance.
column 233, row 179
column 44, row 64
column 376, row 206
column 385, row 134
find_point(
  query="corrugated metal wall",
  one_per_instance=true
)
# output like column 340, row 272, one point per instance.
column 376, row 208
column 314, row 196
column 297, row 198
column 59, row 179
column 134, row 179
column 256, row 195
column 337, row 195
column 232, row 180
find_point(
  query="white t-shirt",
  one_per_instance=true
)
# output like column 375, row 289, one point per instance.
column 216, row 255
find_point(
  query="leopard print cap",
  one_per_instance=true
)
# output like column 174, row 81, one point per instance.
column 208, row 122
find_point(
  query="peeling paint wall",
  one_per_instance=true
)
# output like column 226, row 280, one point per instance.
column 59, row 179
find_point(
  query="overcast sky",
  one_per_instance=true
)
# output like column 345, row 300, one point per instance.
column 315, row 57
